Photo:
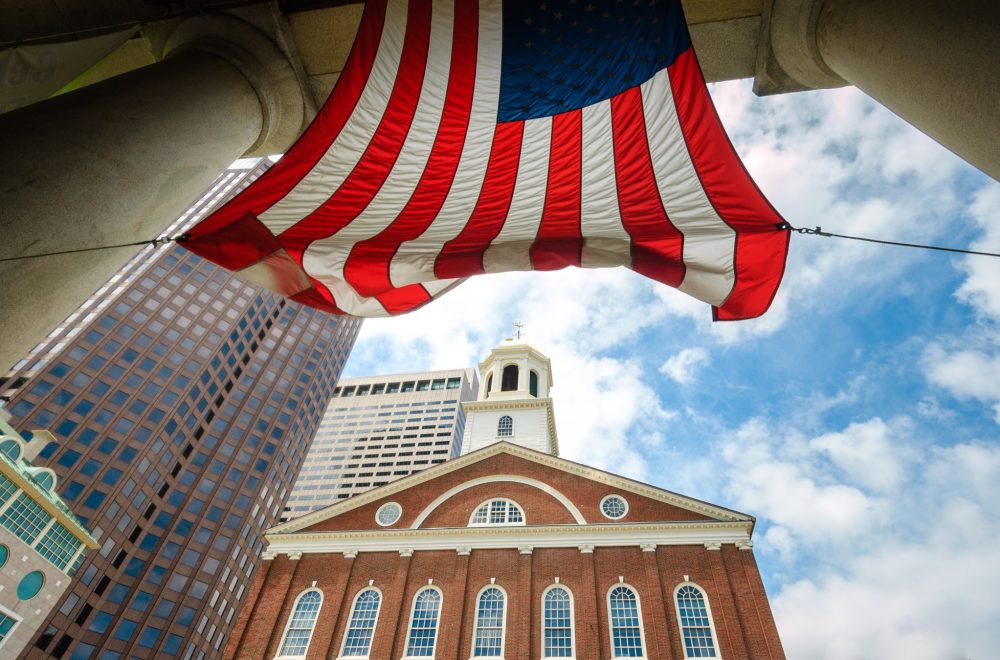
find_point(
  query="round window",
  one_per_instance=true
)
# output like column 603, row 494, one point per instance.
column 614, row 506
column 30, row 585
column 4, row 553
column 388, row 514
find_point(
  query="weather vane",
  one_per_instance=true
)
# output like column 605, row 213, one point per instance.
column 517, row 332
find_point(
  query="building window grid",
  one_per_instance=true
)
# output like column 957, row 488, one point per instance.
column 422, row 636
column 25, row 518
column 488, row 639
column 7, row 624
column 301, row 624
column 7, row 489
column 361, row 626
column 497, row 512
column 505, row 427
column 626, row 629
column 557, row 623
column 58, row 545
column 696, row 623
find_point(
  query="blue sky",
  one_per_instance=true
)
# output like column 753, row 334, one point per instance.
column 858, row 419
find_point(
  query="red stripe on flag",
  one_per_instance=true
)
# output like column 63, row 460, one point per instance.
column 462, row 256
column 657, row 246
column 760, row 249
column 405, row 299
column 367, row 268
column 367, row 177
column 559, row 240
column 263, row 193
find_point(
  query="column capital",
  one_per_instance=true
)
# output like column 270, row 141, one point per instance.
column 648, row 547
column 586, row 549
column 281, row 87
column 463, row 550
column 406, row 552
column 350, row 554
column 267, row 555
column 788, row 55
column 713, row 545
column 744, row 545
column 525, row 549
column 295, row 555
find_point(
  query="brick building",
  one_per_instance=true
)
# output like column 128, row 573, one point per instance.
column 510, row 552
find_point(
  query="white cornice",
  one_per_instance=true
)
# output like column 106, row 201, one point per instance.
column 441, row 469
column 708, row 533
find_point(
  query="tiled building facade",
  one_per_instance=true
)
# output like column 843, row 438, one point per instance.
column 184, row 401
column 42, row 544
column 379, row 429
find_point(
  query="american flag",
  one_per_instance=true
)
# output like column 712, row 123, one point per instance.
column 469, row 137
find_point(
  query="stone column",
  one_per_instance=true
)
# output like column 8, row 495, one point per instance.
column 935, row 64
column 115, row 162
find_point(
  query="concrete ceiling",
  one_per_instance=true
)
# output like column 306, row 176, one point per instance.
column 725, row 32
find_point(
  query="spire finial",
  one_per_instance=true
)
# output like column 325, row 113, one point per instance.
column 517, row 329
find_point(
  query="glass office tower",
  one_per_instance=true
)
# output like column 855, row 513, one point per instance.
column 184, row 401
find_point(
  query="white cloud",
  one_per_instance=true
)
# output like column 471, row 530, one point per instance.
column 923, row 588
column 684, row 366
column 967, row 374
column 981, row 288
column 868, row 454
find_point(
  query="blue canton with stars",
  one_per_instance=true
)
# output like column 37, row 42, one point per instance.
column 561, row 55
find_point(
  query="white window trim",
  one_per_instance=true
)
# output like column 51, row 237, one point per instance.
column 604, row 499
column 350, row 615
column 17, row 622
column 708, row 610
column 511, row 426
column 379, row 511
column 437, row 623
column 642, row 625
column 524, row 517
column 572, row 621
column 503, row 625
column 288, row 623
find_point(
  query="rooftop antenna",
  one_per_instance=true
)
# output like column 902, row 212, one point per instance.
column 517, row 329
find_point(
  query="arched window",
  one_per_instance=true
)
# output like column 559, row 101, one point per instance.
column 505, row 427
column 11, row 448
column 509, row 381
column 361, row 625
column 497, row 512
column 695, row 618
column 300, row 626
column 626, row 623
column 533, row 382
column 487, row 642
column 557, row 623
column 489, row 384
column 422, row 637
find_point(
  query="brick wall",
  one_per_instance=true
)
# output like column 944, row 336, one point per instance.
column 584, row 493
column 728, row 577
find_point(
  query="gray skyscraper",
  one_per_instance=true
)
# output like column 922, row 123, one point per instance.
column 184, row 401
column 379, row 429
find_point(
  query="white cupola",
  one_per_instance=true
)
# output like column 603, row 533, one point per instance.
column 513, row 404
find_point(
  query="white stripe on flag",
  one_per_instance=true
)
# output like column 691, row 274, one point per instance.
column 325, row 258
column 343, row 154
column 605, row 241
column 414, row 261
column 709, row 243
column 510, row 250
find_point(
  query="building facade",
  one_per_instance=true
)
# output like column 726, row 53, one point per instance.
column 381, row 428
column 184, row 401
column 42, row 544
column 510, row 552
